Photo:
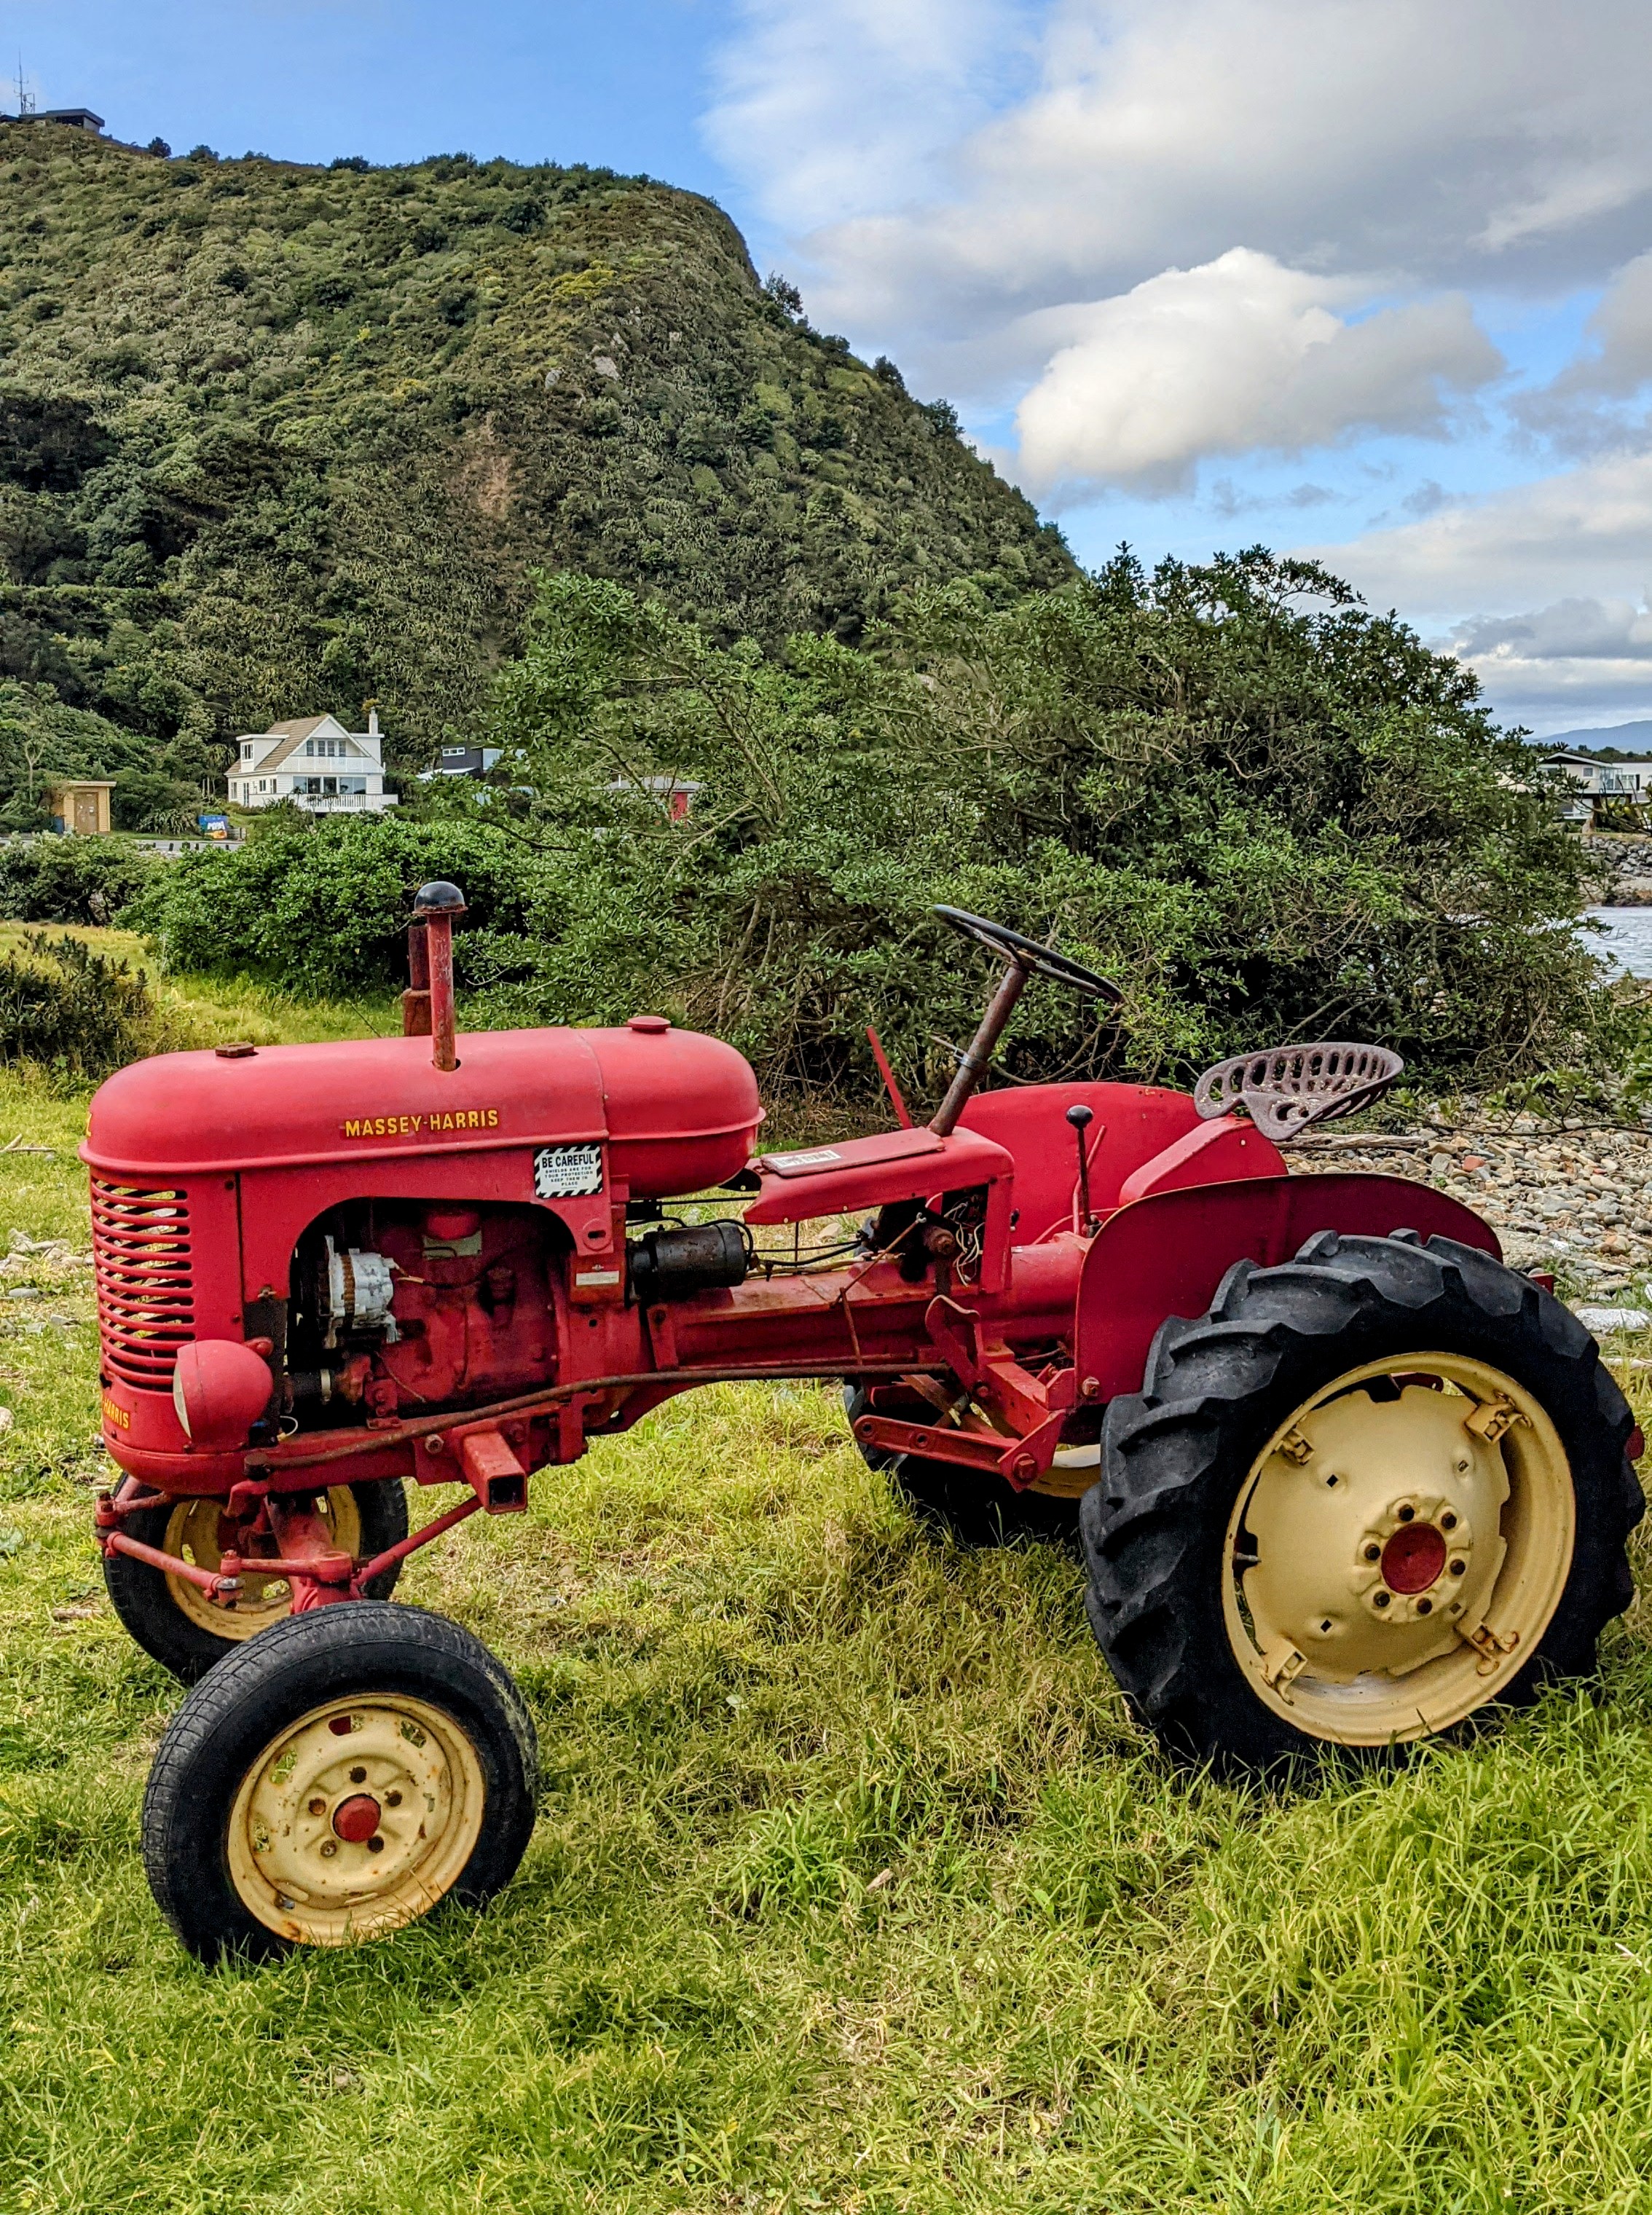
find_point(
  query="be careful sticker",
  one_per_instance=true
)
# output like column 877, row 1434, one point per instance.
column 568, row 1172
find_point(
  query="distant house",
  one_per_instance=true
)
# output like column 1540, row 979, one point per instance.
column 674, row 793
column 1627, row 784
column 315, row 763
column 465, row 761
column 77, row 118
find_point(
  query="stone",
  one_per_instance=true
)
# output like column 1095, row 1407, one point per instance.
column 1598, row 1321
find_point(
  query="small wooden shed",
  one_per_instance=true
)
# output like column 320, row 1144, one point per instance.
column 79, row 806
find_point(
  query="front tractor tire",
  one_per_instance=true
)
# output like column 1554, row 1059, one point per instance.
column 1373, row 1493
column 346, row 1773
column 174, row 1622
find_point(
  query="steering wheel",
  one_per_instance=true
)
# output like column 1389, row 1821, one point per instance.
column 1028, row 956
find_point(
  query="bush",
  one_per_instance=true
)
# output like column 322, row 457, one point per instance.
column 1267, row 813
column 75, row 1012
column 325, row 908
column 88, row 880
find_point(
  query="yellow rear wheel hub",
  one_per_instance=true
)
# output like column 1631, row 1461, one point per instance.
column 193, row 1529
column 356, row 1819
column 1397, row 1549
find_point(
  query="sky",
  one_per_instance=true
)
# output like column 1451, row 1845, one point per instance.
column 1366, row 279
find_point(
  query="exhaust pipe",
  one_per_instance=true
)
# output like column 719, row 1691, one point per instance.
column 427, row 1004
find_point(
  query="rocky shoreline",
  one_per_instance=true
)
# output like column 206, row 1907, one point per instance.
column 1622, row 866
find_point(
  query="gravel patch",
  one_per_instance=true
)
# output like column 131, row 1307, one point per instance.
column 1574, row 1198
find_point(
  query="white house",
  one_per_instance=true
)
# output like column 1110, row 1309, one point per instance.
column 1595, row 781
column 315, row 762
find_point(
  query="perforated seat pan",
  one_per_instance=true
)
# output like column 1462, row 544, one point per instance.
column 1285, row 1089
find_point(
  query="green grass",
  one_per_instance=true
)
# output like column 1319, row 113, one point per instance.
column 221, row 1008
column 852, row 1886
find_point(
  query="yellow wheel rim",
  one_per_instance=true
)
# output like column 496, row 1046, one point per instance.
column 192, row 1530
column 1394, row 1556
column 307, row 1857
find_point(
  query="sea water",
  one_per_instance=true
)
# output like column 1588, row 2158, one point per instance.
column 1626, row 940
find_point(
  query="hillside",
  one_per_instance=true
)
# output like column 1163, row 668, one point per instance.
column 275, row 439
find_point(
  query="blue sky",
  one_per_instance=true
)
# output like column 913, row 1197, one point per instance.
column 1373, row 282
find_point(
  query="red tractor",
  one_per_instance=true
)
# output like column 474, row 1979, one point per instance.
column 1342, row 1479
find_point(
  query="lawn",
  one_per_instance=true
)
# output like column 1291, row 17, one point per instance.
column 852, row 1888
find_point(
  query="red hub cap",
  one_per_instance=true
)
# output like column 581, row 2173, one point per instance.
column 357, row 1818
column 1413, row 1558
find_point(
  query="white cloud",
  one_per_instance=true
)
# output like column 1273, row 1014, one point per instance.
column 843, row 108
column 1443, row 137
column 1567, row 631
column 1622, row 328
column 1577, row 535
column 1561, row 549
column 1166, row 230
column 1239, row 356
column 1561, row 660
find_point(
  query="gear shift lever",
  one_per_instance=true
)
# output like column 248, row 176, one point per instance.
column 1081, row 1118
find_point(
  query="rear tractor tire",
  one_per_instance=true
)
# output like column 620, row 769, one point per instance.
column 341, row 1777
column 175, row 1622
column 1374, row 1492
column 975, row 1508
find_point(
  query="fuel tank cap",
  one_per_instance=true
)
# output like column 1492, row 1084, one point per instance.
column 651, row 1024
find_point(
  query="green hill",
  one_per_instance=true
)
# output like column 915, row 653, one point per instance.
column 275, row 439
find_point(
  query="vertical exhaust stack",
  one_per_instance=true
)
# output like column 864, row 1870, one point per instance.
column 427, row 1006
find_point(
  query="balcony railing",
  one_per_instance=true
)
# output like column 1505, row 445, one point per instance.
column 344, row 803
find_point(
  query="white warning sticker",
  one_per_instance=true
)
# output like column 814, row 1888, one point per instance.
column 568, row 1172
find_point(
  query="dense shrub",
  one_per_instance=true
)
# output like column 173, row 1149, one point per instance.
column 70, row 880
column 1267, row 813
column 325, row 908
column 75, row 1012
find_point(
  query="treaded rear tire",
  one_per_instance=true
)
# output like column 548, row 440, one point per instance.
column 1176, row 1454
column 976, row 1509
column 351, row 1648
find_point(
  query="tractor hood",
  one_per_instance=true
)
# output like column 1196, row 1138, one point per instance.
column 678, row 1110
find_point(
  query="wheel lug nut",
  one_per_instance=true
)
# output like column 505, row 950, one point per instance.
column 1404, row 1515
column 1380, row 1599
column 375, row 1845
column 1373, row 1552
column 392, row 1799
column 1457, row 1567
column 319, row 1807
column 329, row 1847
column 358, row 1777
column 1425, row 1607
column 1448, row 1521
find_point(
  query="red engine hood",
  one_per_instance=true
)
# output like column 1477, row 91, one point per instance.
column 665, row 1101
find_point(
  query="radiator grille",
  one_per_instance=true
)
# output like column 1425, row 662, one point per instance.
column 145, row 1296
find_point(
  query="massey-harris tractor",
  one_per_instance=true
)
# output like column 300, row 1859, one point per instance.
column 1342, row 1479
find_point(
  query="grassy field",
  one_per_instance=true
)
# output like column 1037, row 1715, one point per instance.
column 852, row 1886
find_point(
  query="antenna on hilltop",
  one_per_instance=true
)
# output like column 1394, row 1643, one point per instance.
column 25, row 97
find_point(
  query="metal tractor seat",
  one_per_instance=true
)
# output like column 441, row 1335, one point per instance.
column 1284, row 1088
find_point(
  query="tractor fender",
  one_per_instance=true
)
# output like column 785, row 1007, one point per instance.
column 1166, row 1255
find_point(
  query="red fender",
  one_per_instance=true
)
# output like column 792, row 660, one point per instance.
column 1166, row 1255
